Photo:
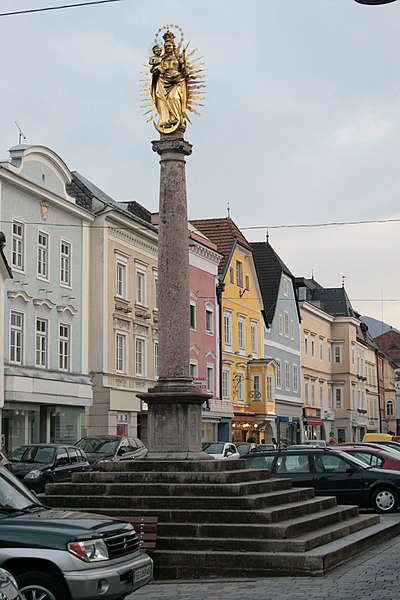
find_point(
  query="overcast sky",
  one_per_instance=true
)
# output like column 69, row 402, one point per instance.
column 301, row 123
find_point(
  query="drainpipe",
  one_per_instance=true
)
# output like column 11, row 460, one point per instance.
column 219, row 291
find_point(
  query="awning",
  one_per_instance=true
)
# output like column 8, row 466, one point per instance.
column 309, row 422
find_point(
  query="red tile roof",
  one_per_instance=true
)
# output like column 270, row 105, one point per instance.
column 223, row 232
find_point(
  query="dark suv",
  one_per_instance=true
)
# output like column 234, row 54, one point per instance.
column 333, row 473
column 59, row 554
column 38, row 464
column 103, row 448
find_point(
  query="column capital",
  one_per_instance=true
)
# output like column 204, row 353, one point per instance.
column 172, row 146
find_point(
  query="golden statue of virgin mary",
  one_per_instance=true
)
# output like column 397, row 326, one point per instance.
column 174, row 83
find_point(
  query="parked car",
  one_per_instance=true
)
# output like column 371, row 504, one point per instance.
column 38, row 464
column 63, row 554
column 8, row 586
column 333, row 472
column 104, row 448
column 379, row 457
column 264, row 447
column 221, row 450
column 317, row 443
column 389, row 446
column 244, row 447
column 4, row 462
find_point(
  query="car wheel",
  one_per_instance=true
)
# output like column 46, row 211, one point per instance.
column 384, row 500
column 35, row 586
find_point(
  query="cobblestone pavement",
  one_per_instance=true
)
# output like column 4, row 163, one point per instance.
column 374, row 574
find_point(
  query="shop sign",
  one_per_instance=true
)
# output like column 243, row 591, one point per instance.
column 313, row 413
column 328, row 415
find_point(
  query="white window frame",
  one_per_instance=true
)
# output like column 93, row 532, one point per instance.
column 41, row 342
column 285, row 287
column 254, row 337
column 140, row 357
column 240, row 387
column 226, row 384
column 210, row 383
column 278, row 375
column 155, row 292
column 43, row 255
column 64, row 347
column 338, row 355
column 239, row 273
column 156, row 360
column 389, row 408
column 16, row 348
column 338, row 398
column 121, row 279
column 286, row 323
column 140, row 284
column 295, row 377
column 330, row 396
column 287, row 376
column 18, row 246
column 270, row 388
column 312, row 393
column 209, row 320
column 292, row 329
column 241, row 334
column 121, row 352
column 228, row 330
column 65, row 263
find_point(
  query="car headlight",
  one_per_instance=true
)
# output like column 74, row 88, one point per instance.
column 34, row 474
column 90, row 551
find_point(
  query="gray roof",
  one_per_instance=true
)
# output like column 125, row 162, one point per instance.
column 269, row 268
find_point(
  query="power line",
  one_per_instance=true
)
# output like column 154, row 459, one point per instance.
column 293, row 226
column 48, row 8
column 328, row 224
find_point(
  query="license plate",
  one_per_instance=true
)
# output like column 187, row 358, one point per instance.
column 141, row 574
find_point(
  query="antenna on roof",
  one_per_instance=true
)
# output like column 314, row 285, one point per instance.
column 228, row 209
column 21, row 135
column 343, row 278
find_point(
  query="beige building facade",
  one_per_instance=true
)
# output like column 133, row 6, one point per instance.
column 123, row 349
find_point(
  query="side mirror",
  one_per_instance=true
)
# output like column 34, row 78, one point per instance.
column 350, row 470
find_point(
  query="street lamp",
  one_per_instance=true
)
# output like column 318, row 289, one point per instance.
column 374, row 2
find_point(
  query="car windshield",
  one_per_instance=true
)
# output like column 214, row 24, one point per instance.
column 216, row 448
column 13, row 494
column 96, row 445
column 37, row 454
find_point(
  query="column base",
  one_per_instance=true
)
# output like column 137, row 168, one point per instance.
column 174, row 422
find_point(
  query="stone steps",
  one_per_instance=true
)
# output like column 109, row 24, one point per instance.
column 249, row 502
column 210, row 490
column 184, row 564
column 256, row 538
column 219, row 519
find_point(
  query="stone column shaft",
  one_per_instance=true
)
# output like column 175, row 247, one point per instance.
column 173, row 264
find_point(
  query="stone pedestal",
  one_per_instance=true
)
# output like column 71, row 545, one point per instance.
column 174, row 404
